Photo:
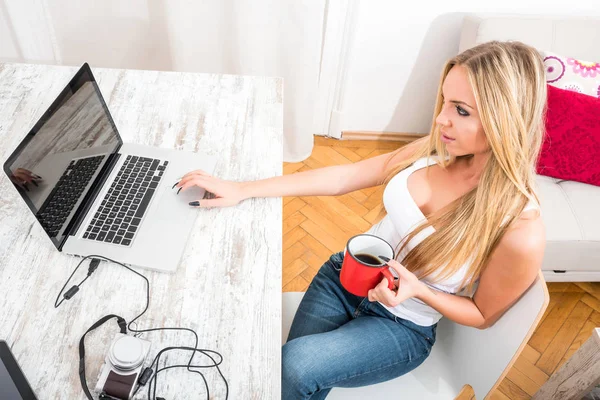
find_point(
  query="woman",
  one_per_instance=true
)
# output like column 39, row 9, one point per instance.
column 462, row 211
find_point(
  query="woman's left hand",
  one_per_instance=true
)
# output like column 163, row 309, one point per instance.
column 408, row 286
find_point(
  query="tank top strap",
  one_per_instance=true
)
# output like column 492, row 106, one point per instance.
column 424, row 161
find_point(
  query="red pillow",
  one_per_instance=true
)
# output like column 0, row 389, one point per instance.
column 571, row 147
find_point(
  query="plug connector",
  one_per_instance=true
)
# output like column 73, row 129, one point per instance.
column 93, row 266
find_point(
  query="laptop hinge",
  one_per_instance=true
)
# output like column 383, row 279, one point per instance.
column 90, row 197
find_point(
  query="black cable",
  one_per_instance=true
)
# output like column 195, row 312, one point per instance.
column 203, row 351
column 73, row 288
column 93, row 266
column 155, row 376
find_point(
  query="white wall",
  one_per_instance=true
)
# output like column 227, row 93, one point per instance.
column 399, row 49
column 281, row 38
column 379, row 75
column 182, row 35
column 8, row 46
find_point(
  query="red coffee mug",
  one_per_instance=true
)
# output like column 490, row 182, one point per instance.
column 362, row 268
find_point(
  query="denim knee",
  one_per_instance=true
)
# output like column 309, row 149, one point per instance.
column 297, row 381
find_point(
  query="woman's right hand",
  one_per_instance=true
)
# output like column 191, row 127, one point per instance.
column 226, row 193
column 21, row 177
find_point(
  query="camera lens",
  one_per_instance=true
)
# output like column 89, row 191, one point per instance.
column 126, row 353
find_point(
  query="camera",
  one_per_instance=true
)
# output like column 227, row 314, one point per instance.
column 122, row 367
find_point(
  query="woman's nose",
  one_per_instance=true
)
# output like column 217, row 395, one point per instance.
column 442, row 120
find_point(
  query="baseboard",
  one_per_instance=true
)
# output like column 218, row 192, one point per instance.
column 572, row 276
column 387, row 136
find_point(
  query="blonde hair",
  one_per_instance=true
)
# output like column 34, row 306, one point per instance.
column 508, row 80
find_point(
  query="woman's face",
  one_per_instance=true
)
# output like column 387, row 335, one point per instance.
column 458, row 118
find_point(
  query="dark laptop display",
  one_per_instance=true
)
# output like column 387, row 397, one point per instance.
column 13, row 384
column 65, row 158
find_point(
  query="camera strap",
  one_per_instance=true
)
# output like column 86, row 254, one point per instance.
column 100, row 322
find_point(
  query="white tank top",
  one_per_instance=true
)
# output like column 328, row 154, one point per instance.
column 403, row 215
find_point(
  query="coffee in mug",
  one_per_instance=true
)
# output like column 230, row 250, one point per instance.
column 369, row 259
column 362, row 269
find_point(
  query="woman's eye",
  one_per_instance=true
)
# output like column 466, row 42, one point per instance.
column 461, row 111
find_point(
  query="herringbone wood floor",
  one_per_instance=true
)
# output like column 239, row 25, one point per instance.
column 315, row 227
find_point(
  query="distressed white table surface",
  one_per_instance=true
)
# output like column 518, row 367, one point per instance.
column 228, row 286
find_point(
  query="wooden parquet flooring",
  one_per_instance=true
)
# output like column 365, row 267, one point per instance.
column 316, row 227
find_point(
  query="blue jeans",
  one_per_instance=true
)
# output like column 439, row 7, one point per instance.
column 338, row 339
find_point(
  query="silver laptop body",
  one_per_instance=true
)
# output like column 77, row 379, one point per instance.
column 94, row 194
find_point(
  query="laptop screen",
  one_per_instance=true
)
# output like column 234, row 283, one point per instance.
column 13, row 384
column 8, row 389
column 64, row 158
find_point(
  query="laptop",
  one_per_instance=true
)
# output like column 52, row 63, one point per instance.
column 94, row 194
column 13, row 384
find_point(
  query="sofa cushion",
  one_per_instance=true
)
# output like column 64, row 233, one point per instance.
column 570, row 214
column 559, row 218
column 584, row 201
column 571, row 146
column 571, row 74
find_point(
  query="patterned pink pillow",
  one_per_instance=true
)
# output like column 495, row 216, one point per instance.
column 571, row 74
column 571, row 146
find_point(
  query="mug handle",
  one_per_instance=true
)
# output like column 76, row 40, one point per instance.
column 386, row 272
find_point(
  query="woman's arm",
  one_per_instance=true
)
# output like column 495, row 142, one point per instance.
column 328, row 181
column 512, row 268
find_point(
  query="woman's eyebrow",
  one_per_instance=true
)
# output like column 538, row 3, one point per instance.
column 460, row 102
column 457, row 101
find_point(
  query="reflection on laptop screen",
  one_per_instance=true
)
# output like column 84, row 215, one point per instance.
column 55, row 166
column 8, row 390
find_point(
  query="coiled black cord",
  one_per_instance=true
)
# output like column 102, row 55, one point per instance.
column 153, row 379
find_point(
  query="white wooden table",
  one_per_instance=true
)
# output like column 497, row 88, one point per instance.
column 228, row 286
column 578, row 376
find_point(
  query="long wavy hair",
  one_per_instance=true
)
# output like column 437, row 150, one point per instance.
column 508, row 80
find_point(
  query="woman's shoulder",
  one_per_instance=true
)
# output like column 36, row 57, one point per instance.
column 525, row 235
column 528, row 229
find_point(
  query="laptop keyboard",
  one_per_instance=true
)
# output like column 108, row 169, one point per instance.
column 120, row 214
column 66, row 192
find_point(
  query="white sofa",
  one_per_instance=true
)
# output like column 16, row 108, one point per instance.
column 570, row 210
